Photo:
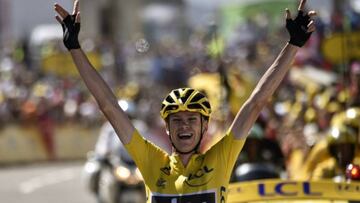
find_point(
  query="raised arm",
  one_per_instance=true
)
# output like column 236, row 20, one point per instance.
column 300, row 30
column 104, row 96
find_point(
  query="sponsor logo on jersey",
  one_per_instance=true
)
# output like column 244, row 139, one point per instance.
column 166, row 170
column 161, row 183
column 200, row 173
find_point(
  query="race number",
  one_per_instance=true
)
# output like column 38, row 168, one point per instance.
column 193, row 198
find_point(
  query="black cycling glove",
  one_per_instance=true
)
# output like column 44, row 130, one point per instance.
column 71, row 31
column 298, row 29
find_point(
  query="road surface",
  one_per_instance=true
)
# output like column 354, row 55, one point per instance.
column 44, row 183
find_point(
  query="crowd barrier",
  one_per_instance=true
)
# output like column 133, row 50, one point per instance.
column 19, row 144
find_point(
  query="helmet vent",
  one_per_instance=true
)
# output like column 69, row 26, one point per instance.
column 185, row 97
column 197, row 97
column 169, row 99
column 188, row 93
column 171, row 107
column 207, row 104
column 195, row 106
column 177, row 94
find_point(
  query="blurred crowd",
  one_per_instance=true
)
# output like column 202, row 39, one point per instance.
column 304, row 131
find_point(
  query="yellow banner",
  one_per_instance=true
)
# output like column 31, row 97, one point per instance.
column 61, row 64
column 341, row 47
column 281, row 190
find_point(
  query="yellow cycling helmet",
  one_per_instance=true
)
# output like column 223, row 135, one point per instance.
column 185, row 99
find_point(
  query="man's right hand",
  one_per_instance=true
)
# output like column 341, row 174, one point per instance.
column 70, row 25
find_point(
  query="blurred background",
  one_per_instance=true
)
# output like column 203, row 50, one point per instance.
column 50, row 124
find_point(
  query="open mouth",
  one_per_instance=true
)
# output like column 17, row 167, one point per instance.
column 185, row 136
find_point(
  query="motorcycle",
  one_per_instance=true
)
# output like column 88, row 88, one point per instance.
column 115, row 179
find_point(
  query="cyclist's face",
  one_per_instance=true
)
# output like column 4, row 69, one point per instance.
column 185, row 129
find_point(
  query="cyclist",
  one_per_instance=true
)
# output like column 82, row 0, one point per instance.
column 342, row 148
column 185, row 175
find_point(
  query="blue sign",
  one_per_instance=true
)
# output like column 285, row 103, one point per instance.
column 289, row 189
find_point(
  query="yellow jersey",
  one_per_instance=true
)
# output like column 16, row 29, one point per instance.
column 204, row 179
